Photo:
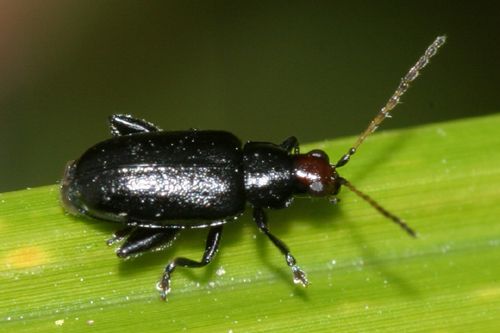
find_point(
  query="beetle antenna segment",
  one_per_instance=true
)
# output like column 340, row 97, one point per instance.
column 381, row 209
column 395, row 98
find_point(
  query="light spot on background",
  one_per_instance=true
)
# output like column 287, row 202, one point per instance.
column 25, row 257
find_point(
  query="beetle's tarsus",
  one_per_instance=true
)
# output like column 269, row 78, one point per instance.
column 299, row 276
column 163, row 287
column 112, row 240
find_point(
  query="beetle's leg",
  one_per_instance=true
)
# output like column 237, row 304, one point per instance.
column 143, row 239
column 122, row 124
column 211, row 248
column 291, row 144
column 299, row 276
column 119, row 235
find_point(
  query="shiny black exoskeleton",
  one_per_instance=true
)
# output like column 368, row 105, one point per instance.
column 157, row 183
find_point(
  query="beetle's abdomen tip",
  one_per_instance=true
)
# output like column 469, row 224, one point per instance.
column 66, row 192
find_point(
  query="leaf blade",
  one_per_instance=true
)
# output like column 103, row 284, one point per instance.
column 366, row 274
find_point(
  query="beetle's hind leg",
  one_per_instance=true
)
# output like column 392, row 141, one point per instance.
column 144, row 239
column 122, row 124
column 299, row 276
column 211, row 247
column 119, row 235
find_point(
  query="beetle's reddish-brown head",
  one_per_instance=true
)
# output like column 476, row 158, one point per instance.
column 315, row 175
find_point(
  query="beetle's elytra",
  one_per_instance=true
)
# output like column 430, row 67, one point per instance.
column 156, row 183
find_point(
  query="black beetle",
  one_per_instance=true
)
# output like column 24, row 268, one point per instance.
column 156, row 183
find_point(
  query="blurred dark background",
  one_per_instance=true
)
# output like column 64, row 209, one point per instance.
column 263, row 70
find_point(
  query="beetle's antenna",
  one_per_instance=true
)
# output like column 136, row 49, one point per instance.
column 395, row 98
column 377, row 206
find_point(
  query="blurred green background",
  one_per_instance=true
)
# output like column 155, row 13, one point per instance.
column 263, row 70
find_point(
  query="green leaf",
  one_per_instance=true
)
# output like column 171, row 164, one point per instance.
column 366, row 274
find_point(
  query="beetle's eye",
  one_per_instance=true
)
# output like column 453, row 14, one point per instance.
column 319, row 154
column 317, row 188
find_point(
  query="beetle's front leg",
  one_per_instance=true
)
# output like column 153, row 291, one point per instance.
column 299, row 276
column 291, row 145
column 211, row 247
